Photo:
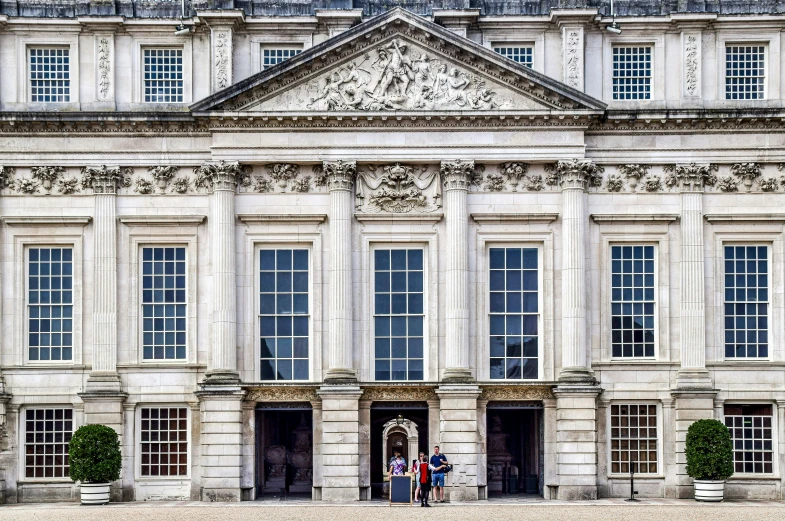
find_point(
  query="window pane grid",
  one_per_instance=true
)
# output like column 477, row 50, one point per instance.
column 398, row 314
column 632, row 301
column 633, row 438
column 746, row 302
column 163, row 75
column 745, row 71
column 50, row 75
column 523, row 55
column 50, row 304
column 163, row 303
column 273, row 56
column 164, row 441
column 514, row 313
column 283, row 314
column 631, row 73
column 47, row 433
column 750, row 429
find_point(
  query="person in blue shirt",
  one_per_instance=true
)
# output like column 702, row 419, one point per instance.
column 438, row 465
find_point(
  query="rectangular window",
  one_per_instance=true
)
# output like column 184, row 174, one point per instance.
column 746, row 302
column 275, row 55
column 633, row 438
column 163, row 303
column 50, row 299
column 398, row 314
column 164, row 441
column 751, row 430
column 631, row 72
column 163, row 75
column 50, row 75
column 521, row 54
column 283, row 314
column 514, row 313
column 47, row 433
column 632, row 301
column 745, row 71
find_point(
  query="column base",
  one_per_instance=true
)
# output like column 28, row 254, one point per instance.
column 577, row 492
column 457, row 375
column 103, row 382
column 340, row 376
column 577, row 376
column 694, row 379
column 221, row 377
column 340, row 448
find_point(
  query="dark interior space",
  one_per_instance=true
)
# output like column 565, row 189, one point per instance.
column 514, row 449
column 284, row 451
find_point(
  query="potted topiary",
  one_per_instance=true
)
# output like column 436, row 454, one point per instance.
column 95, row 461
column 709, row 454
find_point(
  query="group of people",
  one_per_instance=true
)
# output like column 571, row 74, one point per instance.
column 428, row 472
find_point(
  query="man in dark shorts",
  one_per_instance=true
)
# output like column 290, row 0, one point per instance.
column 438, row 465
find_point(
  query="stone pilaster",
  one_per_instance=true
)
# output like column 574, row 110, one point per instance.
column 457, row 176
column 576, row 441
column 693, row 373
column 573, row 56
column 340, row 442
column 482, row 446
column 458, row 428
column 222, row 24
column 340, row 179
column 318, row 480
column 365, row 449
column 690, row 406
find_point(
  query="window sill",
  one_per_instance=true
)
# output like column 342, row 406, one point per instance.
column 46, row 481
column 741, row 478
column 638, row 477
column 150, row 480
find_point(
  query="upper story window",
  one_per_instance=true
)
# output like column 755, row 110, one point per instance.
column 634, row 438
column 50, row 75
column 163, row 303
column 50, row 303
column 745, row 71
column 523, row 54
column 751, row 431
column 283, row 314
column 514, row 313
column 398, row 314
column 632, row 301
column 631, row 72
column 275, row 55
column 47, row 434
column 164, row 441
column 746, row 302
column 163, row 75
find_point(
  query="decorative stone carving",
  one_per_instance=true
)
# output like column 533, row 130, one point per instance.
column 144, row 186
column 728, row 184
column 514, row 172
column 692, row 177
column 5, row 176
column 301, row 458
column 691, row 64
column 222, row 59
column 104, row 68
column 26, row 186
column 614, row 183
column 652, row 183
column 633, row 174
column 163, row 174
column 535, row 183
column 340, row 174
column 69, row 186
column 748, row 172
column 219, row 176
column 399, row 394
column 575, row 174
column 105, row 180
column 572, row 58
column 768, row 184
column 458, row 174
column 47, row 175
column 283, row 175
column 281, row 394
column 516, row 392
column 398, row 189
column 181, row 185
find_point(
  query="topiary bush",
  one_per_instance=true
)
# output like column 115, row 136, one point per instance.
column 709, row 451
column 94, row 454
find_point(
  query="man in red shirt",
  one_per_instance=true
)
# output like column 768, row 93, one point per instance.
column 425, row 480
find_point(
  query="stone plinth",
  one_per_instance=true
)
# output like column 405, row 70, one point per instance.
column 576, row 441
column 458, row 440
column 340, row 443
column 690, row 406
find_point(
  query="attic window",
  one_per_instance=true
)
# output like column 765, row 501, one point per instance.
column 523, row 54
column 631, row 72
column 274, row 55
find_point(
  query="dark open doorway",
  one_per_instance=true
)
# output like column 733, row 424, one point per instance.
column 284, row 450
column 514, row 448
column 384, row 417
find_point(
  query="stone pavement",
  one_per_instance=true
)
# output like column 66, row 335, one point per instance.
column 503, row 510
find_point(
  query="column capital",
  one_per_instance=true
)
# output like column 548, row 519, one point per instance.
column 104, row 179
column 340, row 174
column 221, row 175
column 458, row 174
column 575, row 174
column 691, row 177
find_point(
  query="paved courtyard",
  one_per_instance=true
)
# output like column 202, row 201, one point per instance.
column 603, row 510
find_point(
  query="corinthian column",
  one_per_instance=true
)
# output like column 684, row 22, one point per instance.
column 456, row 176
column 222, row 177
column 693, row 373
column 340, row 179
column 574, row 177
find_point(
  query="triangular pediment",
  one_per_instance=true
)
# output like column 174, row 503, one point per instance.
column 398, row 62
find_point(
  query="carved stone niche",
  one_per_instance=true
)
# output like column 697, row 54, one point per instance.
column 281, row 394
column 399, row 394
column 516, row 392
column 398, row 188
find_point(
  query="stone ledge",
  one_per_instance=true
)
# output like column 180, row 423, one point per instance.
column 161, row 220
column 264, row 218
column 609, row 218
column 47, row 220
column 424, row 218
column 529, row 218
column 773, row 218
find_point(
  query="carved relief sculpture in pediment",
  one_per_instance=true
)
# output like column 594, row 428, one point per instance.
column 398, row 189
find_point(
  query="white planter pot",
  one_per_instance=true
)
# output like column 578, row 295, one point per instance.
column 709, row 490
column 94, row 493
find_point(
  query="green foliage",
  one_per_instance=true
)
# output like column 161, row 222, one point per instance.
column 709, row 451
column 94, row 454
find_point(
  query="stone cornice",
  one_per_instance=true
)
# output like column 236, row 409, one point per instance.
column 310, row 218
column 415, row 218
column 761, row 218
column 162, row 220
column 611, row 218
column 519, row 218
column 47, row 220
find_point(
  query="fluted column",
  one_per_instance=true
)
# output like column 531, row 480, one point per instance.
column 693, row 371
column 340, row 179
column 223, row 178
column 574, row 178
column 456, row 176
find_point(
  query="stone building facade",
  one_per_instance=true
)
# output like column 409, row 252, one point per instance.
column 258, row 245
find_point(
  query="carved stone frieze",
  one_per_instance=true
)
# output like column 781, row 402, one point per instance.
column 222, row 175
column 106, row 180
column 458, row 174
column 633, row 174
column 692, row 177
column 144, row 186
column 398, row 189
column 747, row 172
column 222, row 49
column 284, row 176
column 573, row 56
column 581, row 174
column 691, row 64
column 390, row 394
column 163, row 174
column 47, row 175
column 511, row 175
column 340, row 174
column 281, row 394
column 104, row 67
column 516, row 392
column 6, row 172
